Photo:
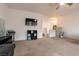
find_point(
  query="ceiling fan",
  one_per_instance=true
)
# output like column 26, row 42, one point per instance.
column 57, row 5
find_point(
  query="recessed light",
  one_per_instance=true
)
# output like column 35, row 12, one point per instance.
column 61, row 3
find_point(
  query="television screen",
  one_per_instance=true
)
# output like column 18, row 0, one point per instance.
column 30, row 22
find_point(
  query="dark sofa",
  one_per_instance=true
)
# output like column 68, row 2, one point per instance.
column 7, row 49
column 7, row 46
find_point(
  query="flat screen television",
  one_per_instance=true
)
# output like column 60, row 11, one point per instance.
column 30, row 22
column 2, row 28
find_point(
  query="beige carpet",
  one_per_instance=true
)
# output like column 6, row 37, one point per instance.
column 47, row 47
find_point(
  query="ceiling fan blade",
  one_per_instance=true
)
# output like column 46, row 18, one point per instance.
column 69, row 4
column 54, row 5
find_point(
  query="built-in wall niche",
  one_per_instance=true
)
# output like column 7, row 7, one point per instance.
column 31, row 34
column 30, row 22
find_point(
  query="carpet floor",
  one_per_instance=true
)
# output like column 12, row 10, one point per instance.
column 47, row 47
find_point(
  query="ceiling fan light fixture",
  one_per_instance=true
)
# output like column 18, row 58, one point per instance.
column 61, row 3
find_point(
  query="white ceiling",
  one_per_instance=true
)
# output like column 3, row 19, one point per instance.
column 44, row 8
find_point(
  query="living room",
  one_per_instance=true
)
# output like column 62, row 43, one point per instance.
column 46, row 16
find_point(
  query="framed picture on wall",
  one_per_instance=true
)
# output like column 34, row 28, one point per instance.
column 54, row 27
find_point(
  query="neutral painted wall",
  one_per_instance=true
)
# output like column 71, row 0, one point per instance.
column 16, row 22
column 3, row 11
column 3, row 18
column 15, row 19
column 70, row 25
